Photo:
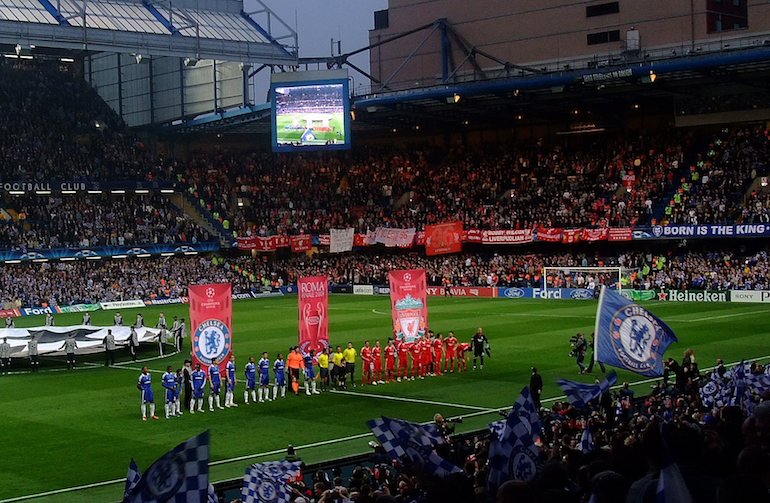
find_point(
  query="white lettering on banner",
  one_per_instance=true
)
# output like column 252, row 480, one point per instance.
column 689, row 296
column 34, row 311
column 122, row 304
column 550, row 293
column 33, row 186
column 507, row 236
column 759, row 296
column 363, row 290
column 313, row 289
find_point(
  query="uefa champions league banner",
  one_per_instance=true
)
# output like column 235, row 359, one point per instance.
column 409, row 303
column 89, row 338
column 211, row 318
column 313, row 294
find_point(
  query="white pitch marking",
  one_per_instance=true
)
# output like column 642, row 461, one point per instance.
column 414, row 400
column 722, row 316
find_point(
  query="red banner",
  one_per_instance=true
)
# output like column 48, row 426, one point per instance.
column 507, row 237
column 443, row 238
column 620, row 234
column 313, row 293
column 549, row 235
column 463, row 291
column 263, row 243
column 9, row 313
column 571, row 235
column 409, row 304
column 472, row 236
column 595, row 234
column 211, row 319
column 301, row 243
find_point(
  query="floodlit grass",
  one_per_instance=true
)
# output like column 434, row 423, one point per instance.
column 63, row 429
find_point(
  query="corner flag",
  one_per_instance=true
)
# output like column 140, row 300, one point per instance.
column 628, row 336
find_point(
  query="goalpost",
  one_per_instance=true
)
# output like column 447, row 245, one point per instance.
column 616, row 272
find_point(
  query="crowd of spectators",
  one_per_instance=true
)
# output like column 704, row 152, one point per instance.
column 714, row 188
column 94, row 220
column 721, row 450
column 92, row 281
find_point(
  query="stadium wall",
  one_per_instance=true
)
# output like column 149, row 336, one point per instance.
column 529, row 32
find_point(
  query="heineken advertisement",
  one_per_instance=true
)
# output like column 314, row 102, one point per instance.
column 693, row 296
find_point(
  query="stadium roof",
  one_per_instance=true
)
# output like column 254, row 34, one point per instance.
column 143, row 28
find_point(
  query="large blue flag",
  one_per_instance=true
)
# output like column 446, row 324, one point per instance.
column 417, row 443
column 269, row 481
column 630, row 337
column 580, row 395
column 514, row 453
column 180, row 476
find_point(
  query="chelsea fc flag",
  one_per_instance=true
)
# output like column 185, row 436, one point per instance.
column 630, row 337
column 211, row 315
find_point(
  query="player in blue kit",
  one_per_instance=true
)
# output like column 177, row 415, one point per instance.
column 308, row 363
column 279, row 367
column 215, row 385
column 199, row 386
column 264, row 378
column 169, row 384
column 231, row 382
column 148, row 397
column 251, row 381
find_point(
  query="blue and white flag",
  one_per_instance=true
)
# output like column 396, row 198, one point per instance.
column 630, row 337
column 416, row 443
column 211, row 495
column 180, row 476
column 497, row 428
column 132, row 478
column 514, row 454
column 269, row 482
column 586, row 441
column 580, row 395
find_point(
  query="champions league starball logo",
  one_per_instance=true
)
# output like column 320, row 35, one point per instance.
column 212, row 341
column 634, row 338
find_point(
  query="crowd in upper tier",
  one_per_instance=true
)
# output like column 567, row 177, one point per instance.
column 33, row 284
column 619, row 179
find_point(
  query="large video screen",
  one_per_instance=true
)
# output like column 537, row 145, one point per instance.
column 311, row 116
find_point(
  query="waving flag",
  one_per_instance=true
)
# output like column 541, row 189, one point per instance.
column 580, row 395
column 416, row 443
column 132, row 478
column 269, row 481
column 628, row 336
column 514, row 454
column 586, row 441
column 180, row 476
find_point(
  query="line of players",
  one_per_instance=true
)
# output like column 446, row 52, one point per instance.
column 430, row 355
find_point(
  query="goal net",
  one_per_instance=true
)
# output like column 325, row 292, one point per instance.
column 588, row 278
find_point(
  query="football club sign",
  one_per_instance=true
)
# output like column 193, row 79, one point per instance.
column 211, row 317
column 313, row 293
column 409, row 304
column 629, row 336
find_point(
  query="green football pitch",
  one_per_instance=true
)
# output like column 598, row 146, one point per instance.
column 68, row 436
column 283, row 135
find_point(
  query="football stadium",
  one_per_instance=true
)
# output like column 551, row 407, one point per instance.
column 516, row 253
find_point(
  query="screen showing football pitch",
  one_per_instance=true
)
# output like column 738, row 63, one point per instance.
column 311, row 116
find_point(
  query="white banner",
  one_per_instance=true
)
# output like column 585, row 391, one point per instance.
column 341, row 240
column 122, row 304
column 759, row 296
column 403, row 238
column 89, row 338
column 363, row 290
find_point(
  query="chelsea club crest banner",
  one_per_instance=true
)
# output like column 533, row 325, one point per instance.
column 211, row 318
column 409, row 304
column 313, row 293
column 630, row 337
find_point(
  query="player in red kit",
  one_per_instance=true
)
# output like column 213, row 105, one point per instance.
column 366, row 360
column 427, row 355
column 416, row 349
column 390, row 361
column 462, row 363
column 403, row 348
column 377, row 363
column 438, row 354
column 451, row 351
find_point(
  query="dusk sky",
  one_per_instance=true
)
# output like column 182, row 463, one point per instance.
column 319, row 22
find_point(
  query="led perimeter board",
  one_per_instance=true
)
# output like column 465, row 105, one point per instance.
column 310, row 114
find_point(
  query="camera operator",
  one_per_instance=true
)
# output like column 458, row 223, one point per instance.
column 444, row 427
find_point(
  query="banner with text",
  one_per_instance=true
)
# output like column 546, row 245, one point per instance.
column 341, row 240
column 443, row 238
column 211, row 319
column 313, row 294
column 301, row 243
column 402, row 238
column 409, row 303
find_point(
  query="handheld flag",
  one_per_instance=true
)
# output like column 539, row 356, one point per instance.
column 628, row 336
column 269, row 481
column 416, row 443
column 181, row 475
column 513, row 454
column 586, row 441
column 580, row 395
column 132, row 478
